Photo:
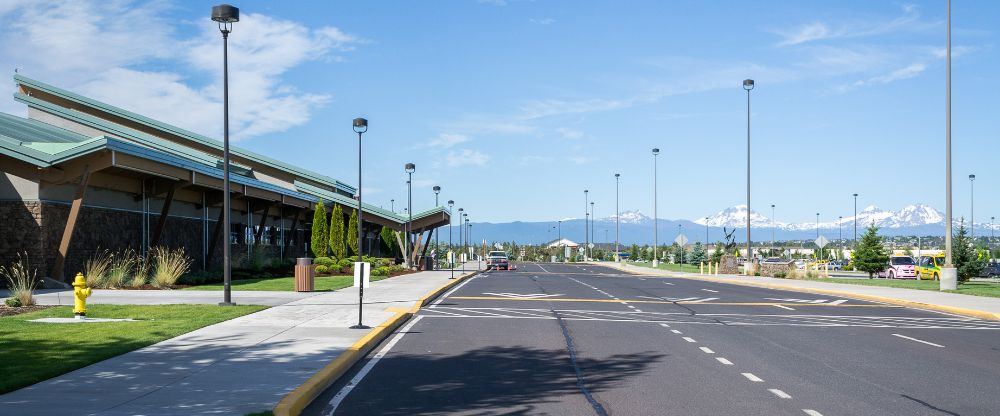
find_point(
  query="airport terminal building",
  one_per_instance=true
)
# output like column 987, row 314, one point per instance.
column 78, row 176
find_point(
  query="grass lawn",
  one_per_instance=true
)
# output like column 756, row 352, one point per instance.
column 691, row 268
column 991, row 289
column 286, row 284
column 31, row 352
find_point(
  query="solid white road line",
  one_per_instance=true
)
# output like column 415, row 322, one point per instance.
column 676, row 331
column 689, row 339
column 783, row 307
column 752, row 377
column 342, row 394
column 701, row 300
column 724, row 361
column 811, row 412
column 780, row 393
column 920, row 341
column 706, row 350
column 710, row 290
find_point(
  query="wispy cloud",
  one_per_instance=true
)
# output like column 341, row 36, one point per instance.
column 534, row 159
column 550, row 107
column 814, row 31
column 446, row 140
column 545, row 21
column 466, row 157
column 568, row 133
column 907, row 72
column 151, row 69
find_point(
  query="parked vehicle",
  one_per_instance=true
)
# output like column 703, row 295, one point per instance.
column 497, row 260
column 800, row 264
column 991, row 270
column 837, row 264
column 900, row 267
column 929, row 267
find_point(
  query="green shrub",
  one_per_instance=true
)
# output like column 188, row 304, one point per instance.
column 780, row 275
column 325, row 261
column 12, row 302
column 321, row 269
column 168, row 266
column 380, row 271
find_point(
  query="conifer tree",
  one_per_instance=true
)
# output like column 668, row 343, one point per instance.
column 871, row 256
column 698, row 254
column 353, row 225
column 388, row 237
column 337, row 234
column 964, row 255
column 318, row 242
column 718, row 253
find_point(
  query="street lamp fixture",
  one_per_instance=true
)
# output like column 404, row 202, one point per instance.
column 586, row 227
column 451, row 262
column 360, row 126
column 618, row 215
column 409, row 168
column 772, row 228
column 855, row 223
column 225, row 15
column 949, row 274
column 972, row 208
column 748, row 85
column 437, row 190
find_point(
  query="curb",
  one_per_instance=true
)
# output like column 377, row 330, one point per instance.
column 990, row 316
column 296, row 400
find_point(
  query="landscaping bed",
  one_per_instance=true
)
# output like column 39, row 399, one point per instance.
column 974, row 288
column 287, row 284
column 31, row 352
column 9, row 311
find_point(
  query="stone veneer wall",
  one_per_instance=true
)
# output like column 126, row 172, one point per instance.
column 20, row 232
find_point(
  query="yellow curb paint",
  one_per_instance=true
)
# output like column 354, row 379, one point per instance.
column 920, row 305
column 295, row 401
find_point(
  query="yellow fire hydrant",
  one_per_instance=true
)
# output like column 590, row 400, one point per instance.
column 80, row 293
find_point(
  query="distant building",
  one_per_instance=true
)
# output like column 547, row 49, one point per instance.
column 563, row 242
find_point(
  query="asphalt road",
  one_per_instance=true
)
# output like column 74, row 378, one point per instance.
column 561, row 339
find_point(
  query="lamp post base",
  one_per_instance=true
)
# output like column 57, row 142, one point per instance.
column 949, row 278
column 227, row 304
column 360, row 326
column 656, row 263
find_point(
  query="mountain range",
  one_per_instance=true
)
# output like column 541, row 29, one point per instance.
column 636, row 227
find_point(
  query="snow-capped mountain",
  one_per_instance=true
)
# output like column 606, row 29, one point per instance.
column 630, row 217
column 909, row 216
column 737, row 217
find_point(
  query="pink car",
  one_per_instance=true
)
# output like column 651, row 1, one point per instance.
column 902, row 267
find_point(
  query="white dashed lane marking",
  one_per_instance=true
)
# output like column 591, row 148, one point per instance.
column 689, row 339
column 780, row 393
column 676, row 331
column 707, row 350
column 710, row 290
column 724, row 361
column 752, row 377
column 811, row 412
column 784, row 307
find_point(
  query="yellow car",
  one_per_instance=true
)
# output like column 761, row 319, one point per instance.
column 929, row 267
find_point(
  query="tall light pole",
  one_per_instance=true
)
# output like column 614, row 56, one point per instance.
column 748, row 85
column 437, row 190
column 706, row 231
column 409, row 168
column 855, row 223
column 840, row 229
column 560, row 231
column 772, row 226
column 656, row 257
column 451, row 260
column 972, row 208
column 461, row 236
column 360, row 126
column 225, row 15
column 949, row 275
column 392, row 205
column 593, row 219
column 586, row 227
column 817, row 225
column 618, row 215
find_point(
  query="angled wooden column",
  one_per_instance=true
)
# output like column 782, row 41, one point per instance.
column 427, row 243
column 291, row 231
column 260, row 226
column 67, row 237
column 215, row 237
column 163, row 217
column 416, row 248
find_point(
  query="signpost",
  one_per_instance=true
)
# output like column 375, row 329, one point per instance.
column 362, row 280
column 821, row 242
column 681, row 240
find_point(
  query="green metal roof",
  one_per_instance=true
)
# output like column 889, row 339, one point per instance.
column 174, row 130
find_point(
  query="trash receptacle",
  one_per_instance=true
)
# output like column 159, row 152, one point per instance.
column 428, row 263
column 304, row 278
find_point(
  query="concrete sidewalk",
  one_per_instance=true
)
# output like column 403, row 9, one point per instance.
column 979, row 306
column 235, row 367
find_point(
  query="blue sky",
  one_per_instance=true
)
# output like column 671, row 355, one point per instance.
column 514, row 107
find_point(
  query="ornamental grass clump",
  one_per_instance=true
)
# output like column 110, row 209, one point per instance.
column 168, row 266
column 140, row 274
column 96, row 269
column 121, row 270
column 21, row 280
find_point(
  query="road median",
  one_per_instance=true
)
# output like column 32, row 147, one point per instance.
column 965, row 305
column 295, row 401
